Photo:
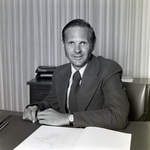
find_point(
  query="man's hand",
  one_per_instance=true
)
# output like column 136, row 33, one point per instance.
column 52, row 117
column 30, row 113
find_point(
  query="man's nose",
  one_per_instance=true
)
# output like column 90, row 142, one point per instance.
column 77, row 48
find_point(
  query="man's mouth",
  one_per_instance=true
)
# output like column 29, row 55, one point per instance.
column 77, row 56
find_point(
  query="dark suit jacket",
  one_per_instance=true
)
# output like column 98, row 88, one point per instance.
column 102, row 100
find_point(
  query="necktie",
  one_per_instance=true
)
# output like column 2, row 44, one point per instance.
column 74, row 91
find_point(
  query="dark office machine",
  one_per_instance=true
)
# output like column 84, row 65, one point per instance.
column 44, row 72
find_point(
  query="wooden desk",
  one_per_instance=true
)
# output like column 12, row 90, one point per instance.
column 142, row 81
column 39, row 89
column 18, row 130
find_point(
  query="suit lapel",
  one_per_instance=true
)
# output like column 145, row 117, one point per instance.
column 89, row 84
column 62, row 86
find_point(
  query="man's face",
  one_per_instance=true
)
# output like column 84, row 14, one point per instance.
column 78, row 46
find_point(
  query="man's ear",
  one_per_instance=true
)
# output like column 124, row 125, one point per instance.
column 93, row 46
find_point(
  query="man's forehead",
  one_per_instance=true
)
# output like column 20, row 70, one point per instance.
column 75, row 28
column 77, row 32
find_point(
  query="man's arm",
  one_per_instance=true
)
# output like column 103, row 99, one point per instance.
column 48, row 109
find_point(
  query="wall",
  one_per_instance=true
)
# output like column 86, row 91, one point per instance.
column 30, row 35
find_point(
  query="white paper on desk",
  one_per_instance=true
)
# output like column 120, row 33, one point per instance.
column 51, row 138
column 62, row 138
column 94, row 138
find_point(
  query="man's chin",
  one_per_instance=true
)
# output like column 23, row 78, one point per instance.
column 77, row 65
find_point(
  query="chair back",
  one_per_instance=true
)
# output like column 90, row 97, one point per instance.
column 136, row 94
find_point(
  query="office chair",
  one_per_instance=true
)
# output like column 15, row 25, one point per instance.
column 138, row 100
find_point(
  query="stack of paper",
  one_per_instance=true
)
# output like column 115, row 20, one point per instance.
column 127, row 79
column 63, row 138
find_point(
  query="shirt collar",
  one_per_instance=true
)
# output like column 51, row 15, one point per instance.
column 73, row 70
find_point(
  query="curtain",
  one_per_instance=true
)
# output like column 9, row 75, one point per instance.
column 30, row 36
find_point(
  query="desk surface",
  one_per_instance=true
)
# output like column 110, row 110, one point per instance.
column 18, row 130
column 43, row 81
column 142, row 80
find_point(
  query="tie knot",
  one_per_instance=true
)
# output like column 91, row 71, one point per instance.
column 77, row 76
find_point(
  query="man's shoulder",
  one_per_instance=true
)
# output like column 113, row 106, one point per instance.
column 108, row 68
column 64, row 67
column 108, row 63
column 106, row 60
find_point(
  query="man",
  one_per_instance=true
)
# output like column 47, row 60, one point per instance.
column 100, row 100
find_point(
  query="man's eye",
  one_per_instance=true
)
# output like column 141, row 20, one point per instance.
column 83, row 43
column 70, row 43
